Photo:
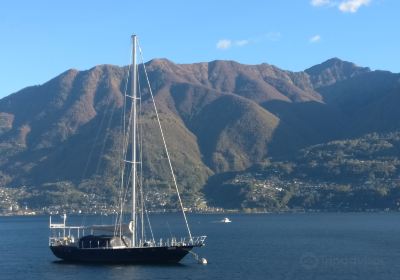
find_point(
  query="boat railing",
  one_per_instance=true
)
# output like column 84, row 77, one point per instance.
column 65, row 241
column 69, row 240
column 196, row 241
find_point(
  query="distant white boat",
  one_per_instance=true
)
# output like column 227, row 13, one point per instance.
column 226, row 220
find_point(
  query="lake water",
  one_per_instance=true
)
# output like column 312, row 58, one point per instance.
column 259, row 246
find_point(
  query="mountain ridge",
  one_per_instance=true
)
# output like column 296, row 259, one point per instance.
column 226, row 116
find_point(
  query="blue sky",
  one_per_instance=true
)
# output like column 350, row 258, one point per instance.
column 41, row 39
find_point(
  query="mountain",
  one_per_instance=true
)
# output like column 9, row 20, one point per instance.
column 219, row 117
column 332, row 71
column 367, row 101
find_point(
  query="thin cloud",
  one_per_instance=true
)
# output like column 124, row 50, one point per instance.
column 315, row 39
column 352, row 6
column 345, row 6
column 242, row 43
column 319, row 3
column 224, row 44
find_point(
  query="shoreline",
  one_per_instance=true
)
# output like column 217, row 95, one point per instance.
column 222, row 212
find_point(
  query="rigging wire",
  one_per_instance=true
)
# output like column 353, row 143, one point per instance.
column 105, row 138
column 93, row 146
column 104, row 126
column 140, row 130
column 148, row 222
column 119, row 217
column 126, row 127
column 164, row 142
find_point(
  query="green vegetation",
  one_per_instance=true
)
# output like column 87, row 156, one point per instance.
column 357, row 174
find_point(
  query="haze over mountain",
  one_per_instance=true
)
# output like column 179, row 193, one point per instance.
column 220, row 116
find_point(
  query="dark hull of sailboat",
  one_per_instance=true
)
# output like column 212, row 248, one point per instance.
column 156, row 255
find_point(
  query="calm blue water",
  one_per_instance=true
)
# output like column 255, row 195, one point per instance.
column 275, row 246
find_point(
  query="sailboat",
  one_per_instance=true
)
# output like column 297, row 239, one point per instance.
column 126, row 243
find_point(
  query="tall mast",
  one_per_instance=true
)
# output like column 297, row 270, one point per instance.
column 133, row 130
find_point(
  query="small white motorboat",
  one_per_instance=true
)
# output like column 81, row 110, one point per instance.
column 226, row 220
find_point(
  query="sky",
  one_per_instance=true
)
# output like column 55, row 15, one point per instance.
column 41, row 39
